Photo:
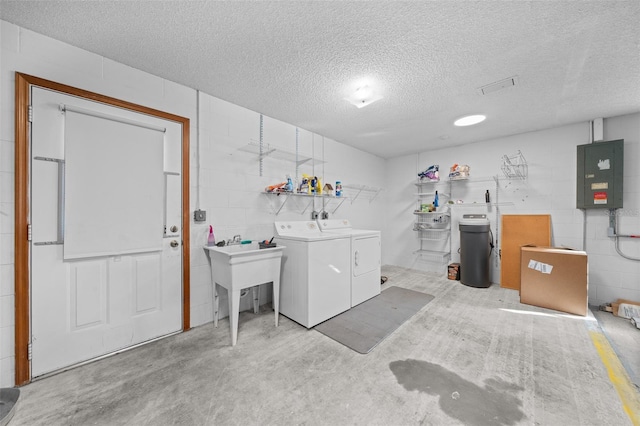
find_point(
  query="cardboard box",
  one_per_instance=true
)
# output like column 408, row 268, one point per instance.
column 454, row 271
column 554, row 278
column 629, row 308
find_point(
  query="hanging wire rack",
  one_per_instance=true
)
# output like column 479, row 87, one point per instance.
column 515, row 166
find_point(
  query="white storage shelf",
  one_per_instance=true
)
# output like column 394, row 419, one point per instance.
column 431, row 195
column 474, row 179
column 464, row 205
column 432, row 228
column 329, row 201
column 439, row 257
column 431, row 220
column 354, row 191
column 253, row 147
column 432, row 234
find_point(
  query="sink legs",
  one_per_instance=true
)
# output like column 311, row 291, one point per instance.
column 216, row 305
column 276, row 297
column 234, row 311
column 234, row 306
column 256, row 298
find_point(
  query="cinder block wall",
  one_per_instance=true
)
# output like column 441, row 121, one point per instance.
column 549, row 189
column 224, row 181
column 231, row 185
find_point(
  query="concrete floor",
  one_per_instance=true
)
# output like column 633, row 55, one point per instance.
column 625, row 340
column 470, row 356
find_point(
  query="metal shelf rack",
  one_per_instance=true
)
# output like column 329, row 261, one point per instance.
column 361, row 191
column 432, row 228
column 438, row 257
column 515, row 166
column 253, row 147
column 307, row 200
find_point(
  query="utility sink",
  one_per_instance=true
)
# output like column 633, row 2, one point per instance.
column 247, row 252
column 240, row 266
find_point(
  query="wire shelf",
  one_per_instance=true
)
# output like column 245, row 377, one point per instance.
column 440, row 257
column 361, row 191
column 425, row 181
column 432, row 234
column 431, row 220
column 267, row 151
column 515, row 166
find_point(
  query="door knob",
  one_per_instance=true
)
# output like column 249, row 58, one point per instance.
column 174, row 244
column 174, row 228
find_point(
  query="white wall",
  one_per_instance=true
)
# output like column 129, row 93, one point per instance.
column 231, row 186
column 549, row 189
column 613, row 276
column 230, row 182
column 229, row 179
column 31, row 53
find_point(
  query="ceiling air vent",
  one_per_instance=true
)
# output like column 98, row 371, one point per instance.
column 498, row 85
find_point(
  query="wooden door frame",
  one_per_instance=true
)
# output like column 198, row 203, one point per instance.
column 24, row 83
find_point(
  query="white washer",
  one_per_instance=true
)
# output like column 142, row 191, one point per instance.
column 315, row 280
column 364, row 258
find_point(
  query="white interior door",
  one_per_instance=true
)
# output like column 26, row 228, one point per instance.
column 105, row 210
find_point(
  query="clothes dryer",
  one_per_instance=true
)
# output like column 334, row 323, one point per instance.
column 315, row 280
column 365, row 257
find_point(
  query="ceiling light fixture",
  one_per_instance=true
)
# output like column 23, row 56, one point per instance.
column 363, row 96
column 469, row 120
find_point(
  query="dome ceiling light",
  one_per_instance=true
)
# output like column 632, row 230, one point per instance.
column 363, row 96
column 469, row 120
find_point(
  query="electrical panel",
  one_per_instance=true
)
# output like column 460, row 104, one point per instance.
column 600, row 174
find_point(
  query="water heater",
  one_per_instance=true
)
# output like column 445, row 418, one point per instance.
column 600, row 172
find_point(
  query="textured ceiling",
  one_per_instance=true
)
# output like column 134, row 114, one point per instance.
column 297, row 61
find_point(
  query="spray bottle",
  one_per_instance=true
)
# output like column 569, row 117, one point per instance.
column 211, row 239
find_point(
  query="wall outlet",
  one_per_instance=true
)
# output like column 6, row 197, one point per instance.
column 200, row 215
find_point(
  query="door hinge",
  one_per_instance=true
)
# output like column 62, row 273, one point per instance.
column 30, row 113
column 29, row 351
column 29, row 232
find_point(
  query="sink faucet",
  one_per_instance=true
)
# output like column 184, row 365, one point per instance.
column 237, row 239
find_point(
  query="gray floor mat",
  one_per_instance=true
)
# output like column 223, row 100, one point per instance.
column 364, row 326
